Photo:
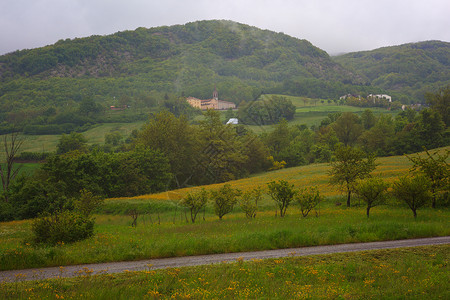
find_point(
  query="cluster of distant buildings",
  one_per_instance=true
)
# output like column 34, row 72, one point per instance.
column 369, row 97
column 213, row 103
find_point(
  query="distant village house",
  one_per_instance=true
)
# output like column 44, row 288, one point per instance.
column 369, row 97
column 380, row 96
column 213, row 103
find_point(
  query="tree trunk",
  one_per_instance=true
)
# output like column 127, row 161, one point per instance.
column 368, row 209
column 348, row 198
column 415, row 213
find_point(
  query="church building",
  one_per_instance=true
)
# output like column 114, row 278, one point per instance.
column 213, row 103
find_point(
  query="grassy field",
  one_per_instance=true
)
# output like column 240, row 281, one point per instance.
column 163, row 230
column 408, row 273
column 304, row 176
column 169, row 235
column 312, row 111
column 96, row 135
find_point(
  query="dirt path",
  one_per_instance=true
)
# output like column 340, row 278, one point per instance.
column 117, row 267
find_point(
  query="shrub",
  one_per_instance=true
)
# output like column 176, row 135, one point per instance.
column 63, row 227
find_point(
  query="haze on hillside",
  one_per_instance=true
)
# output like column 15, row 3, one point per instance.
column 334, row 26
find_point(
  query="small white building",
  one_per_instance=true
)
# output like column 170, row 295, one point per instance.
column 380, row 96
column 233, row 121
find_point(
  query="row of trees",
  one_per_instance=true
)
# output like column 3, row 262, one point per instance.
column 428, row 182
column 225, row 199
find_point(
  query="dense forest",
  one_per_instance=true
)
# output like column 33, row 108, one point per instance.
column 406, row 71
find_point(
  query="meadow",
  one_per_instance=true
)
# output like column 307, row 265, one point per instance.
column 163, row 229
column 311, row 112
column 407, row 273
column 95, row 135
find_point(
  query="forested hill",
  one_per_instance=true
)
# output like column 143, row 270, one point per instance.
column 184, row 60
column 410, row 70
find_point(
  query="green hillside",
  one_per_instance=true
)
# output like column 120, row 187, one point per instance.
column 407, row 71
column 70, row 85
column 183, row 59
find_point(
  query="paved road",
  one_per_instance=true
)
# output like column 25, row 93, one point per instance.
column 117, row 267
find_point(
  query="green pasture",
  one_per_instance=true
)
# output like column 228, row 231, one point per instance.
column 166, row 232
column 312, row 111
column 96, row 135
column 406, row 273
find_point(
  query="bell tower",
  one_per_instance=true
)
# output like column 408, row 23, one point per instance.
column 215, row 93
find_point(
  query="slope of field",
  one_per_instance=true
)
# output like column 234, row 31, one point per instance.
column 389, row 168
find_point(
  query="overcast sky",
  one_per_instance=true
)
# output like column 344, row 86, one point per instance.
column 335, row 26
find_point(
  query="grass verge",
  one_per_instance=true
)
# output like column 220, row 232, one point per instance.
column 407, row 273
column 168, row 234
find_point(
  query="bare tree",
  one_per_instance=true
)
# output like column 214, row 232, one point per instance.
column 12, row 144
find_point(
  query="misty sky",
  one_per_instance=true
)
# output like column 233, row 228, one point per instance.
column 335, row 26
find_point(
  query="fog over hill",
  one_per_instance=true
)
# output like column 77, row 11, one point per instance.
column 188, row 60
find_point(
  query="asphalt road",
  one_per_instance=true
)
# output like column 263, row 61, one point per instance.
column 118, row 267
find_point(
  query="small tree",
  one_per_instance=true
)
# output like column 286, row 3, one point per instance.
column 437, row 169
column 71, row 142
column 11, row 145
column 308, row 199
column 195, row 201
column 350, row 164
column 224, row 200
column 414, row 191
column 282, row 193
column 372, row 191
column 87, row 203
column 249, row 202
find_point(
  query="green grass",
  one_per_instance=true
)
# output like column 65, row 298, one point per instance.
column 313, row 111
column 163, row 231
column 168, row 234
column 408, row 273
column 96, row 135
